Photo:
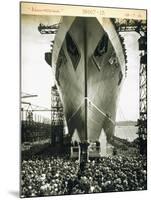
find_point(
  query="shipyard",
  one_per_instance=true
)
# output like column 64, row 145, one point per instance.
column 82, row 141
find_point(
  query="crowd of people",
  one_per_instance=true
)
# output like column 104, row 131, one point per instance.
column 42, row 176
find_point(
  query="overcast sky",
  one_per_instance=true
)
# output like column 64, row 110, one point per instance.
column 37, row 78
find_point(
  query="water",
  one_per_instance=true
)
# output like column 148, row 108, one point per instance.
column 126, row 132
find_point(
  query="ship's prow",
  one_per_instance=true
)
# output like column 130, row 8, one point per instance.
column 89, row 68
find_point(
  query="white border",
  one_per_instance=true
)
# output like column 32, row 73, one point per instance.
column 9, row 100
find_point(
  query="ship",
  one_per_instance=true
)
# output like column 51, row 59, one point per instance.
column 88, row 63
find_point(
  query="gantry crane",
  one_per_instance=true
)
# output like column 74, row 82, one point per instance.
column 139, row 26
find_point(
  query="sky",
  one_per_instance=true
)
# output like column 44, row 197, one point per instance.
column 128, row 108
column 37, row 77
column 36, row 74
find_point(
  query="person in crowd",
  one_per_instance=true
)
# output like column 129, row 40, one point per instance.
column 48, row 175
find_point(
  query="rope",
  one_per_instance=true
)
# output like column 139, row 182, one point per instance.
column 82, row 102
column 98, row 109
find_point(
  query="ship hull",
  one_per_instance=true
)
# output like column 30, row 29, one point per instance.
column 89, row 74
